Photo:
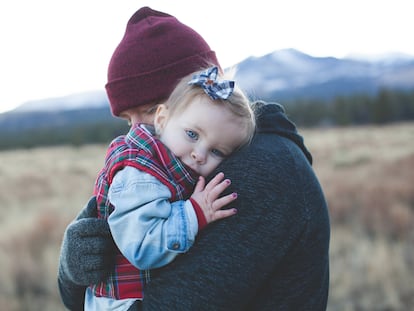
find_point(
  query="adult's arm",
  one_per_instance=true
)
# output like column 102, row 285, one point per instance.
column 86, row 256
column 72, row 295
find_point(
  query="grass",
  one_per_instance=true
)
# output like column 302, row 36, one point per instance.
column 367, row 174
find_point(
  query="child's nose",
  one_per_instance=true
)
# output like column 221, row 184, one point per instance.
column 199, row 156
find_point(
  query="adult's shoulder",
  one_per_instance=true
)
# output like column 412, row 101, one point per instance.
column 272, row 119
column 272, row 166
column 269, row 158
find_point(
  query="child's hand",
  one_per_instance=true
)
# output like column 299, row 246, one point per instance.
column 207, row 197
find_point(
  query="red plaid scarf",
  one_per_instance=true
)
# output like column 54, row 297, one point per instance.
column 141, row 150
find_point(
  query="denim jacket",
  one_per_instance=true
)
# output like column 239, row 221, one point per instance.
column 149, row 230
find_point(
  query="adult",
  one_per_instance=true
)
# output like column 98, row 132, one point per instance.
column 272, row 255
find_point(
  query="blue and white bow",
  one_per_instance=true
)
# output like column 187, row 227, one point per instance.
column 213, row 88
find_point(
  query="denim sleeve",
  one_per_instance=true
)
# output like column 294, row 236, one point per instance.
column 149, row 230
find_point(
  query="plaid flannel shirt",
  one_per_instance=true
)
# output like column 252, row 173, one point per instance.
column 139, row 149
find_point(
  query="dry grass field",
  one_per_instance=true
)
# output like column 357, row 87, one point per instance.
column 367, row 174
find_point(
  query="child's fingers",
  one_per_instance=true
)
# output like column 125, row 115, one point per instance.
column 223, row 201
column 200, row 184
column 218, row 189
column 215, row 181
column 223, row 213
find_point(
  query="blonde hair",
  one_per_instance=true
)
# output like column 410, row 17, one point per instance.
column 238, row 103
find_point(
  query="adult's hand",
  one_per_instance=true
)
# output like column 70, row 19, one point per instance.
column 87, row 251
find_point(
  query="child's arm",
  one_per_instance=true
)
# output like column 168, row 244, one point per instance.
column 149, row 230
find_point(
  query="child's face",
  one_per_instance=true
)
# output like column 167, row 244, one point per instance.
column 201, row 135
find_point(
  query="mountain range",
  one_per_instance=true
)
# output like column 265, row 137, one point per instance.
column 281, row 76
column 290, row 74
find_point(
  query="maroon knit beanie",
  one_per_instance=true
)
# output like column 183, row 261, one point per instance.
column 155, row 53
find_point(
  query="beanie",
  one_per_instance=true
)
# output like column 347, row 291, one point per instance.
column 156, row 52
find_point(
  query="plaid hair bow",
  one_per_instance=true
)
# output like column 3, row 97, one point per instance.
column 208, row 81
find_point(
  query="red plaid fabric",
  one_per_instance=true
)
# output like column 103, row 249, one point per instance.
column 139, row 149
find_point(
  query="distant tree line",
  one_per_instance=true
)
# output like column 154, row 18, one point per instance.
column 99, row 132
column 387, row 106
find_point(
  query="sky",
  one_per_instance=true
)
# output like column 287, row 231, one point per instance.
column 53, row 48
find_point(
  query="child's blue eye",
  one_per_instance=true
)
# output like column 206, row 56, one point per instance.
column 191, row 134
column 218, row 153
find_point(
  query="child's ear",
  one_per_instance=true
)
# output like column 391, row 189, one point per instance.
column 161, row 117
